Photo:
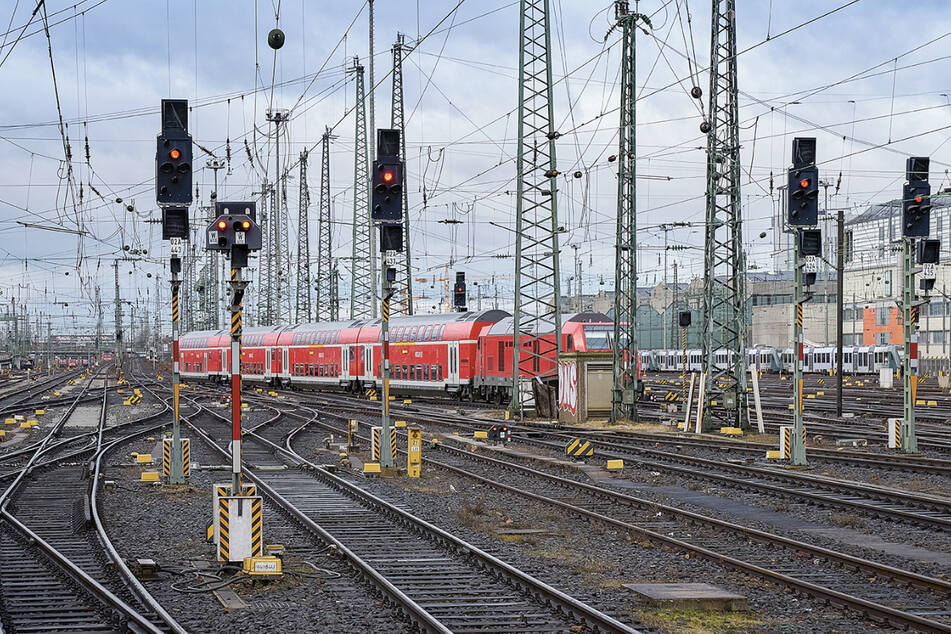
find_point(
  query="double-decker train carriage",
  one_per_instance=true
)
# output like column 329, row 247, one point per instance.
column 464, row 354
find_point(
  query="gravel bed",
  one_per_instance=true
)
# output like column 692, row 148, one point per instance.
column 167, row 524
column 893, row 531
column 591, row 562
column 918, row 482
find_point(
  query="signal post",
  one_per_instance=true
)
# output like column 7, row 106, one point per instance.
column 802, row 217
column 173, row 193
column 916, row 223
column 236, row 232
column 386, row 210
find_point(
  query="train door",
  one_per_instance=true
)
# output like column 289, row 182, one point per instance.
column 268, row 354
column 453, row 362
column 284, row 365
column 346, row 354
column 366, row 352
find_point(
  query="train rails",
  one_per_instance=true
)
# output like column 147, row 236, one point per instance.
column 60, row 570
column 440, row 582
column 898, row 597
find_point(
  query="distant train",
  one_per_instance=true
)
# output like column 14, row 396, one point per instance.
column 855, row 359
column 469, row 355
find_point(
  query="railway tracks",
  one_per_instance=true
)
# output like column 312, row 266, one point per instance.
column 889, row 594
column 440, row 582
column 60, row 570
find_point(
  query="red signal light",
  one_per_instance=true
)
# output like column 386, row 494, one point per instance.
column 175, row 154
column 804, row 182
column 918, row 198
column 246, row 225
column 222, row 225
column 388, row 177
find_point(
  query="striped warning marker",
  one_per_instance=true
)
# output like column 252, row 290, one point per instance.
column 257, row 526
column 223, row 528
column 579, row 448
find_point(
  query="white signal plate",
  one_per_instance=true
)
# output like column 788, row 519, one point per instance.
column 929, row 271
column 811, row 264
column 392, row 258
column 176, row 246
column 240, row 237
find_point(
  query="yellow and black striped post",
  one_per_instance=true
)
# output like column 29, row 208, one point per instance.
column 176, row 473
column 683, row 371
column 257, row 528
column 386, row 456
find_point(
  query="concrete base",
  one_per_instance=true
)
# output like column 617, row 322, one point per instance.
column 689, row 596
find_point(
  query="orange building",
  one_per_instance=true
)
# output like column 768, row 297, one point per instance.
column 882, row 325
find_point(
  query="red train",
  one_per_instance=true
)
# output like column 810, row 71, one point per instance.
column 468, row 355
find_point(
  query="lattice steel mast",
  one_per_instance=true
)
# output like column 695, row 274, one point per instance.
column 324, row 237
column 537, row 292
column 284, row 277
column 724, row 290
column 624, row 392
column 404, row 275
column 265, row 260
column 363, row 263
column 303, row 311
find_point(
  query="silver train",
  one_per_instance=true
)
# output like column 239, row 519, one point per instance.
column 855, row 359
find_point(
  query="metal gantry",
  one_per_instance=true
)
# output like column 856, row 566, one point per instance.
column 724, row 289
column 537, row 292
column 624, row 390
column 266, row 303
column 404, row 273
column 303, row 309
column 322, row 308
column 363, row 294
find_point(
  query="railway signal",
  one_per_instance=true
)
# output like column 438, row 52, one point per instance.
column 802, row 211
column 173, row 184
column 235, row 232
column 810, row 248
column 803, row 184
column 386, row 208
column 916, row 198
column 916, row 216
column 173, row 155
column 459, row 292
column 929, row 254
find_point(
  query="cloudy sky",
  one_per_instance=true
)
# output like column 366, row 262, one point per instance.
column 867, row 83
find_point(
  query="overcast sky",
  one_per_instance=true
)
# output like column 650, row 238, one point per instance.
column 871, row 88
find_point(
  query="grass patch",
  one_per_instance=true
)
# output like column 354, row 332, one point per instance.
column 698, row 621
column 592, row 570
column 846, row 520
column 472, row 513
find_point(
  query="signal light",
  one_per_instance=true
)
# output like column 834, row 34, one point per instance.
column 918, row 198
column 388, row 176
column 804, row 182
column 175, row 154
column 246, row 225
column 222, row 225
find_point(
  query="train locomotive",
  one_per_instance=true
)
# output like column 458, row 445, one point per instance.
column 467, row 355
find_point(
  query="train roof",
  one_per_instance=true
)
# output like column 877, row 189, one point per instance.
column 507, row 326
column 491, row 315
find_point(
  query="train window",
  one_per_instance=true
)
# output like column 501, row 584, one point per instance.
column 501, row 356
column 419, row 373
column 432, row 371
column 569, row 345
column 440, row 371
column 442, row 331
column 426, row 372
column 412, row 372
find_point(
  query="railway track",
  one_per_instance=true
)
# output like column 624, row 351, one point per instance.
column 60, row 571
column 440, row 582
column 889, row 594
column 920, row 509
